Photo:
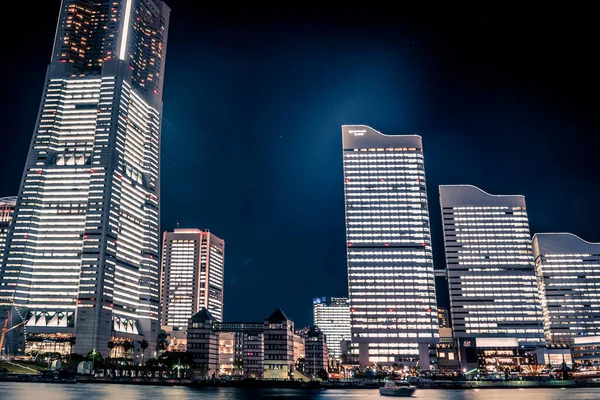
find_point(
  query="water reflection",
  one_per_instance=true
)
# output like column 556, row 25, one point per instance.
column 49, row 391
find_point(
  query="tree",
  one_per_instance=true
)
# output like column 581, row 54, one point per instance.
column 72, row 340
column 161, row 341
column 144, row 346
column 95, row 358
column 127, row 346
column 322, row 374
column 300, row 364
column 111, row 345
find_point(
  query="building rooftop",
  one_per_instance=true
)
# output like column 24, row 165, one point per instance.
column 472, row 196
column 202, row 316
column 8, row 201
column 562, row 243
column 363, row 137
column 277, row 316
column 314, row 331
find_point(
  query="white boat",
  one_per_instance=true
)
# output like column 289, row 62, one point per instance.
column 397, row 389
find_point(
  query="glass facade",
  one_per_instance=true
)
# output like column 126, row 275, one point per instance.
column 192, row 275
column 493, row 289
column 82, row 255
column 390, row 265
column 568, row 271
column 332, row 316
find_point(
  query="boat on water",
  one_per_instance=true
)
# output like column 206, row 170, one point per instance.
column 397, row 389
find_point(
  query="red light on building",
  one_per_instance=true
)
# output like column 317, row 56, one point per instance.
column 353, row 310
column 423, row 244
column 85, row 236
column 382, row 180
column 387, row 244
column 429, row 309
column 347, row 180
column 92, row 171
column 349, row 244
column 390, row 310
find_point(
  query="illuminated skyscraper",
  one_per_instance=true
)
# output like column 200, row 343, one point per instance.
column 7, row 208
column 82, row 255
column 332, row 316
column 493, row 289
column 390, row 264
column 192, row 276
column 568, row 271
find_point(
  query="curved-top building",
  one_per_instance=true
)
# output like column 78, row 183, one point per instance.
column 390, row 264
column 492, row 282
column 568, row 271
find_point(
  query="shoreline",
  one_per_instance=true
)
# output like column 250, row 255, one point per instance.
column 264, row 384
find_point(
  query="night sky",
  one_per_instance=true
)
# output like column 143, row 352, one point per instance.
column 254, row 98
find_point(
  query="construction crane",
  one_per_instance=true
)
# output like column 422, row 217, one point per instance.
column 5, row 329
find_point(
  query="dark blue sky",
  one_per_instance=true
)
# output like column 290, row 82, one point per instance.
column 254, row 100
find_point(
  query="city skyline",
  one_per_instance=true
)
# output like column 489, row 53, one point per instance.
column 245, row 263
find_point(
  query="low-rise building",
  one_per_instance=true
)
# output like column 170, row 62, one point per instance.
column 447, row 352
column 299, row 346
column 253, row 355
column 317, row 356
column 203, row 344
column 279, row 346
column 586, row 351
column 176, row 339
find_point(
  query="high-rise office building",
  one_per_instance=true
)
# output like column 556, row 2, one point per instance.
column 7, row 208
column 332, row 316
column 82, row 255
column 493, row 289
column 192, row 276
column 390, row 264
column 568, row 271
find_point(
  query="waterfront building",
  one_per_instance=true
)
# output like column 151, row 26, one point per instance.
column 586, row 351
column 203, row 344
column 447, row 352
column 241, row 348
column 227, row 353
column 192, row 275
column 82, row 254
column 7, row 207
column 555, row 353
column 332, row 316
column 390, row 264
column 253, row 355
column 279, row 346
column 317, row 355
column 299, row 345
column 176, row 339
column 568, row 271
column 492, row 283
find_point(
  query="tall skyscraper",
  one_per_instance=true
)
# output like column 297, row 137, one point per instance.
column 192, row 276
column 332, row 316
column 568, row 271
column 493, row 289
column 390, row 264
column 7, row 208
column 83, row 255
